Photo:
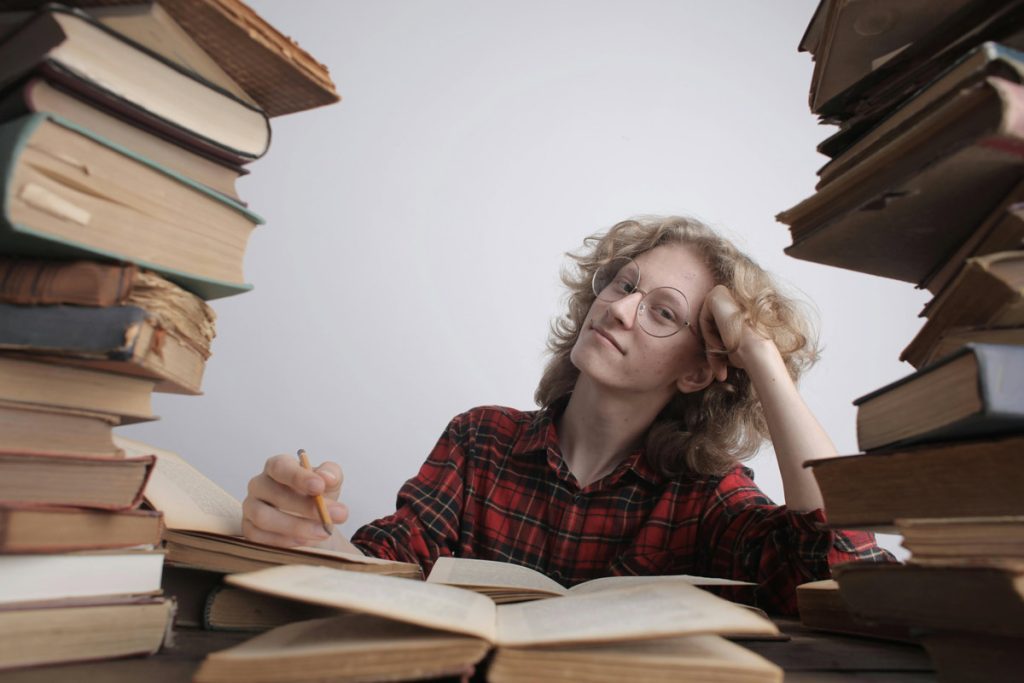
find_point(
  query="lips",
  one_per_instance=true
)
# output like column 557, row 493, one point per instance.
column 609, row 337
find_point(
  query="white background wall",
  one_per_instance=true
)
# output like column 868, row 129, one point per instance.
column 408, row 267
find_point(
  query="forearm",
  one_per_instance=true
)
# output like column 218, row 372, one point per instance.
column 795, row 432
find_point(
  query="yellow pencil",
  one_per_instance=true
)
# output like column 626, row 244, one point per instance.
column 321, row 506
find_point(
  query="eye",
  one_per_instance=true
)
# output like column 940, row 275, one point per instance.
column 625, row 286
column 666, row 314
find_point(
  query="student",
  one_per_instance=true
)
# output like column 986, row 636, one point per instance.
column 676, row 359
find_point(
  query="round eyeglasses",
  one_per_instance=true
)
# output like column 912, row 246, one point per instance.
column 661, row 312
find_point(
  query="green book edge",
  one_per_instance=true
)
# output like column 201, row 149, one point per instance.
column 14, row 136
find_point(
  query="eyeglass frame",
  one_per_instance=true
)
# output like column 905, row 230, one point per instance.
column 640, row 308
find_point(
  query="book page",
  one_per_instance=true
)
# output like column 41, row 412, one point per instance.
column 637, row 612
column 413, row 602
column 472, row 573
column 189, row 500
column 611, row 582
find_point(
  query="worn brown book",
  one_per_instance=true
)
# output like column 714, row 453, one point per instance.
column 981, row 477
column 27, row 428
column 123, row 398
column 980, row 599
column 204, row 525
column 61, row 632
column 1002, row 230
column 900, row 212
column 228, row 608
column 954, row 338
column 474, row 624
column 822, row 608
column 28, row 528
column 988, row 292
column 978, row 390
column 971, row 539
column 83, row 283
column 269, row 66
column 91, row 482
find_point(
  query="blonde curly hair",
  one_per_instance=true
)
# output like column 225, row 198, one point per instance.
column 709, row 431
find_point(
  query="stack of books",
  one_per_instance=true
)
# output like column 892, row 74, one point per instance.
column 925, row 184
column 123, row 130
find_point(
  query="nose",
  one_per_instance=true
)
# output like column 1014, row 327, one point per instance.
column 625, row 309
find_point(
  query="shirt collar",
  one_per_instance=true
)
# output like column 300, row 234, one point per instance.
column 541, row 436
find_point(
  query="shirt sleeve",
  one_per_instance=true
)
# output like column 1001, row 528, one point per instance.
column 749, row 538
column 428, row 513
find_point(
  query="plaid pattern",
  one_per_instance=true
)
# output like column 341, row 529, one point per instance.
column 495, row 487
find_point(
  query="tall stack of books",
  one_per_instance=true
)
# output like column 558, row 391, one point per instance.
column 925, row 184
column 123, row 129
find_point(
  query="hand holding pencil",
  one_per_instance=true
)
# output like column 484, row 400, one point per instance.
column 281, row 507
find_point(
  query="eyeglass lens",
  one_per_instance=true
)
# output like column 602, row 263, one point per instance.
column 661, row 313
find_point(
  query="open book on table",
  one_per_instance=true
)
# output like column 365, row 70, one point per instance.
column 204, row 524
column 396, row 618
column 503, row 582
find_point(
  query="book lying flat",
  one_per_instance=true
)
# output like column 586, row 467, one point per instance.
column 632, row 612
column 980, row 599
column 964, row 656
column 988, row 292
column 33, row 282
column 228, row 608
column 70, row 194
column 32, row 429
column 900, row 212
column 976, row 391
column 124, row 398
column 112, row 483
column 90, row 58
column 50, row 97
column 982, row 477
column 978, row 539
column 48, row 529
column 204, row 524
column 127, row 340
column 86, row 574
column 58, row 632
column 822, row 608
column 503, row 582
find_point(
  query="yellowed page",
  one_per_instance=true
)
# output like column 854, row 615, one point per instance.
column 189, row 500
column 414, row 602
column 613, row 582
column 472, row 573
column 637, row 612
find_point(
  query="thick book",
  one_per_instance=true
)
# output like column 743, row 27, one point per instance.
column 127, row 340
column 55, row 633
column 970, row 539
column 69, row 194
column 70, row 47
column 122, row 397
column 955, row 337
column 822, row 609
column 987, row 293
column 617, row 616
column 271, row 67
column 964, row 656
column 204, row 525
column 228, row 608
column 83, row 283
column 976, row 598
column 901, row 211
column 89, row 482
column 957, row 479
column 975, row 391
column 32, row 429
column 87, row 574
column 503, row 582
column 49, row 529
column 39, row 95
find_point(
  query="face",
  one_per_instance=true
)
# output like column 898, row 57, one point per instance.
column 614, row 351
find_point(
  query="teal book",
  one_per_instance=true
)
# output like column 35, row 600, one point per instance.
column 66, row 192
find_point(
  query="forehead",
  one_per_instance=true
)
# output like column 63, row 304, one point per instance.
column 672, row 265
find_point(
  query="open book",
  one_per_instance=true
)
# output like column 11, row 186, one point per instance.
column 503, row 582
column 204, row 525
column 397, row 619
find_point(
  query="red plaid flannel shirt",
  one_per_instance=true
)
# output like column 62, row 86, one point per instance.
column 495, row 487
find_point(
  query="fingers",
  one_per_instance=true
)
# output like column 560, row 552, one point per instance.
column 324, row 480
column 266, row 524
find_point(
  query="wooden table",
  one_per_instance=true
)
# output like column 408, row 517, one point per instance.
column 807, row 656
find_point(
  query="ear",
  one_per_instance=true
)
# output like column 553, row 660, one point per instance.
column 696, row 378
